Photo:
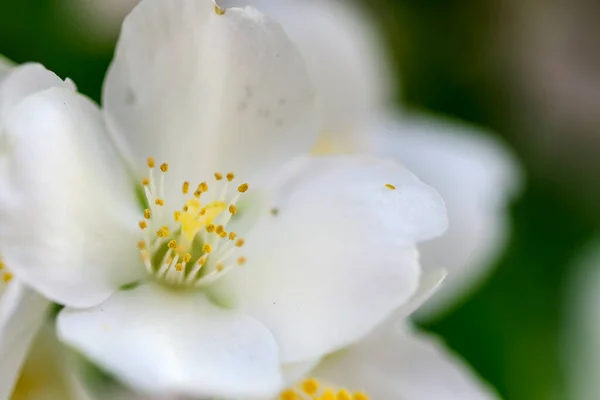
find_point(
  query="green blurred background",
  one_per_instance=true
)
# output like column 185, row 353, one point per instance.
column 480, row 61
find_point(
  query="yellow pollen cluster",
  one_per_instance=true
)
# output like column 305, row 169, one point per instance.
column 193, row 248
column 390, row 186
column 7, row 276
column 311, row 389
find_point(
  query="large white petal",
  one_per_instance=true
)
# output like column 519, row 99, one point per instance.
column 175, row 343
column 395, row 362
column 22, row 312
column 208, row 92
column 345, row 60
column 18, row 82
column 339, row 254
column 67, row 208
column 476, row 175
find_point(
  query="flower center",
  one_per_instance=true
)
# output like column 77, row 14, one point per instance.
column 6, row 276
column 192, row 248
column 311, row 389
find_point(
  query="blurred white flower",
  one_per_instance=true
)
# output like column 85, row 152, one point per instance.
column 582, row 327
column 476, row 175
column 22, row 311
column 160, row 287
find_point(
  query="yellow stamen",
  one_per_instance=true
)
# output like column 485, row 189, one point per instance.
column 150, row 162
column 360, row 396
column 232, row 235
column 187, row 258
column 202, row 261
column 7, row 277
column 343, row 395
column 220, row 267
column 239, row 243
column 176, row 215
column 232, row 209
column 210, row 228
column 143, row 224
column 141, row 245
column 185, row 188
column 164, row 167
column 147, row 213
column 288, row 395
column 241, row 260
column 243, row 187
column 310, row 386
column 159, row 202
column 179, row 267
column 207, row 248
column 230, row 176
column 163, row 232
column 218, row 176
column 146, row 181
column 172, row 245
column 390, row 186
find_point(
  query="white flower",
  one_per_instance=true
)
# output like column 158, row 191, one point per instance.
column 22, row 310
column 581, row 345
column 180, row 306
column 476, row 175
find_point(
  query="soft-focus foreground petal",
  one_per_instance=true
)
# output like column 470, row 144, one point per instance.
column 22, row 312
column 476, row 175
column 68, row 211
column 396, row 363
column 5, row 66
column 21, row 81
column 211, row 92
column 335, row 253
column 345, row 60
column 178, row 343
column 582, row 327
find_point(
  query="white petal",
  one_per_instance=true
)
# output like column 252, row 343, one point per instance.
column 339, row 255
column 177, row 343
column 208, row 92
column 476, row 175
column 429, row 285
column 22, row 81
column 345, row 60
column 396, row 363
column 68, row 210
column 22, row 312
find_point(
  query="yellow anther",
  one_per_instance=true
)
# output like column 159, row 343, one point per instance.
column 243, row 187
column 210, row 228
column 2, row 265
column 207, row 248
column 310, row 386
column 164, row 167
column 7, row 277
column 141, row 245
column 179, row 267
column 220, row 267
column 185, row 188
column 232, row 209
column 203, row 187
column 202, row 211
column 223, row 234
column 172, row 245
column 288, row 395
column 143, row 224
column 197, row 193
column 220, row 229
column 147, row 213
column 328, row 395
column 240, row 242
column 176, row 215
column 218, row 10
column 162, row 232
column 146, row 181
column 218, row 176
column 343, row 395
column 360, row 396
column 201, row 261
column 187, row 258
column 232, row 235
column 241, row 260
column 390, row 186
column 150, row 162
column 230, row 176
column 159, row 202
column 144, row 255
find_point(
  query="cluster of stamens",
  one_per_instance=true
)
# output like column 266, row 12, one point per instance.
column 193, row 248
column 311, row 389
column 6, row 276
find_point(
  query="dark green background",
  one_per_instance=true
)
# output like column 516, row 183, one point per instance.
column 510, row 330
